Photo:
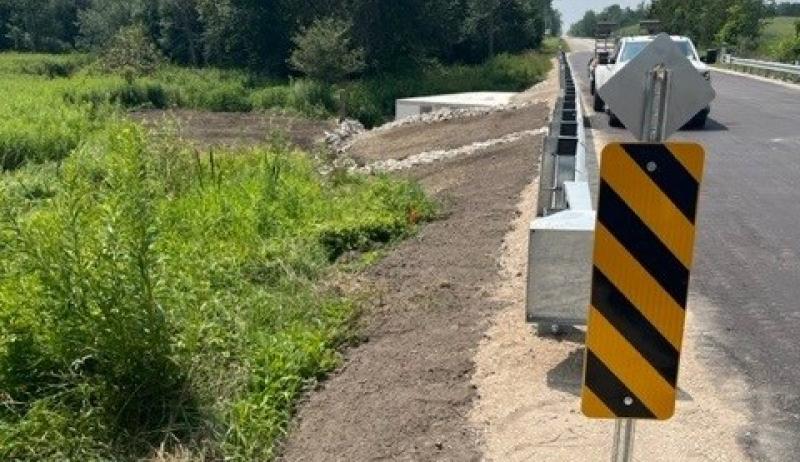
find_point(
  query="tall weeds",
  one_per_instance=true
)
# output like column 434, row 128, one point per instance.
column 150, row 295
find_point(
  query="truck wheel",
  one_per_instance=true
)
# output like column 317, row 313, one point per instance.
column 599, row 104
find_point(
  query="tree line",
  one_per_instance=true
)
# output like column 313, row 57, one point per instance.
column 783, row 9
column 260, row 34
column 734, row 23
column 587, row 26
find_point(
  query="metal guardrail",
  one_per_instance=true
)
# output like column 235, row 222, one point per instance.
column 783, row 68
column 561, row 236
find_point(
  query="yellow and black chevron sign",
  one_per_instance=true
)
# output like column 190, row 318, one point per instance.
column 644, row 245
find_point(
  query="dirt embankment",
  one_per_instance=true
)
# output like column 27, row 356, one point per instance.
column 409, row 140
column 235, row 129
column 406, row 393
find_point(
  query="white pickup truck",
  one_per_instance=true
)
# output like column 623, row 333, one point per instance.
column 627, row 48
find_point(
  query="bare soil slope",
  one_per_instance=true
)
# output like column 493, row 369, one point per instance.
column 406, row 394
column 404, row 141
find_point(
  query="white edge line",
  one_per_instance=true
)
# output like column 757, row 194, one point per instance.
column 757, row 77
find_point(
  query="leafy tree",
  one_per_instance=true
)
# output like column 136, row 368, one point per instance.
column 5, row 15
column 103, row 19
column 782, row 9
column 180, row 30
column 743, row 24
column 251, row 33
column 40, row 25
column 484, row 20
column 258, row 33
column 555, row 22
column 586, row 27
column 324, row 51
column 131, row 52
column 505, row 25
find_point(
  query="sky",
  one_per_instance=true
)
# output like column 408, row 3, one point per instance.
column 573, row 10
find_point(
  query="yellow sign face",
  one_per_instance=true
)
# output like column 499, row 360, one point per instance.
column 643, row 251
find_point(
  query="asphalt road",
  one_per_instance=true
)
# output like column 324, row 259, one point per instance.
column 748, row 249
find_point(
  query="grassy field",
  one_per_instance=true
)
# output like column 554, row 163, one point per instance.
column 155, row 297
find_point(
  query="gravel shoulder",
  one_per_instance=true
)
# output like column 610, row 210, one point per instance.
column 530, row 387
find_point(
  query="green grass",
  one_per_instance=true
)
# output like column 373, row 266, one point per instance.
column 149, row 295
column 37, row 126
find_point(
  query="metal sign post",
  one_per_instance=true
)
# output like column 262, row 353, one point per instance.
column 623, row 440
column 653, row 127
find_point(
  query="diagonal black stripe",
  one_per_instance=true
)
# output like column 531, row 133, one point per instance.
column 611, row 391
column 636, row 329
column 642, row 243
column 670, row 175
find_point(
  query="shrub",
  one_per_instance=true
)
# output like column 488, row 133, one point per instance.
column 137, row 94
column 311, row 98
column 364, row 106
column 271, row 98
column 223, row 97
column 50, row 66
column 788, row 50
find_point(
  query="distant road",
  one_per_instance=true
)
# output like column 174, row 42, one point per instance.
column 748, row 254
